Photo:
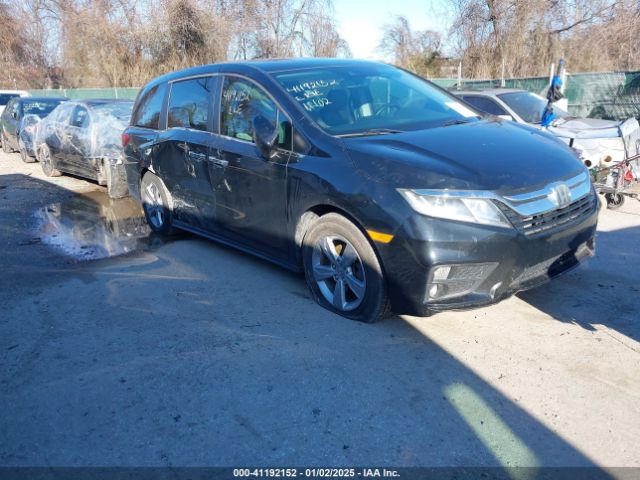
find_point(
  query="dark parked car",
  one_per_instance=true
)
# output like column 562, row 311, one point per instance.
column 6, row 95
column 83, row 138
column 383, row 188
column 12, row 123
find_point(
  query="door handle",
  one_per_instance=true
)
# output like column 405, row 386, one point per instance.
column 218, row 161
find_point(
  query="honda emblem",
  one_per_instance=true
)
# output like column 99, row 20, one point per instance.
column 560, row 195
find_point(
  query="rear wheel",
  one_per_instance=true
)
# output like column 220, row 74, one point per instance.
column 155, row 203
column 5, row 145
column 343, row 271
column 48, row 163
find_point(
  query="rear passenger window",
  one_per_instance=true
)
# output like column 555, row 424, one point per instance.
column 485, row 104
column 189, row 104
column 147, row 115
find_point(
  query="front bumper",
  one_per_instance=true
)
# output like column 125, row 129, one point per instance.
column 506, row 261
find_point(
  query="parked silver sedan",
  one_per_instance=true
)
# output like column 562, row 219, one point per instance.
column 600, row 142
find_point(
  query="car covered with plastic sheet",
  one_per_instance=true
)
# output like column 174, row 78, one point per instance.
column 83, row 138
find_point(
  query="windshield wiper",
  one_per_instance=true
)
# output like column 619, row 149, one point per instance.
column 372, row 131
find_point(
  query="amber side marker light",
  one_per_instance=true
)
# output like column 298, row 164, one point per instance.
column 379, row 237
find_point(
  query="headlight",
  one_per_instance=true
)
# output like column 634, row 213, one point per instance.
column 456, row 207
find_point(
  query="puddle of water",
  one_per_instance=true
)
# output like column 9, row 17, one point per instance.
column 92, row 226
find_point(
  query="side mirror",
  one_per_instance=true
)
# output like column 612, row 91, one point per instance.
column 505, row 117
column 265, row 135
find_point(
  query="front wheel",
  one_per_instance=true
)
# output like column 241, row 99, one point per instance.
column 155, row 203
column 343, row 271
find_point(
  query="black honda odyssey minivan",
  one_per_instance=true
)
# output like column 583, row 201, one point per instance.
column 387, row 191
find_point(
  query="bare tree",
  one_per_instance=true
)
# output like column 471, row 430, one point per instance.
column 322, row 38
column 22, row 56
column 80, row 43
column 527, row 35
column 415, row 50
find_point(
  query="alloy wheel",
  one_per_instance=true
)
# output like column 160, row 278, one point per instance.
column 339, row 272
column 154, row 206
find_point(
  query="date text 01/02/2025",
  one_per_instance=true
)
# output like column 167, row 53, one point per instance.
column 315, row 472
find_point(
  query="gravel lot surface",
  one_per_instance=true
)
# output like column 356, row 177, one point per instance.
column 118, row 348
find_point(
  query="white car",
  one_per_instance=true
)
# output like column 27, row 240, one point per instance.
column 6, row 95
column 601, row 143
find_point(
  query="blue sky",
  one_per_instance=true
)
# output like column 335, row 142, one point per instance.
column 360, row 22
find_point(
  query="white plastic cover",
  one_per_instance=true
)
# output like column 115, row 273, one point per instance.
column 93, row 131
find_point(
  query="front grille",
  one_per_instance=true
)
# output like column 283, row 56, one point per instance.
column 533, row 224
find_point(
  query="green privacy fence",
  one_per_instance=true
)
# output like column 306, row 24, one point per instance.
column 88, row 93
column 612, row 95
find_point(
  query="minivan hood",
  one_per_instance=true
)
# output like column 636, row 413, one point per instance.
column 492, row 155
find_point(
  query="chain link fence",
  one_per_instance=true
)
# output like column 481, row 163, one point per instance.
column 610, row 95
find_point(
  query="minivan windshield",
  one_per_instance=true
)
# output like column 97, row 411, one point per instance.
column 371, row 100
column 529, row 106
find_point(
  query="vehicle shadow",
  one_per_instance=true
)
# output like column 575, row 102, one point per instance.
column 191, row 353
column 605, row 290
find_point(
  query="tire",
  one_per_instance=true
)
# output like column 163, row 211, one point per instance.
column 343, row 271
column 155, row 203
column 614, row 200
column 47, row 162
column 26, row 158
column 5, row 145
